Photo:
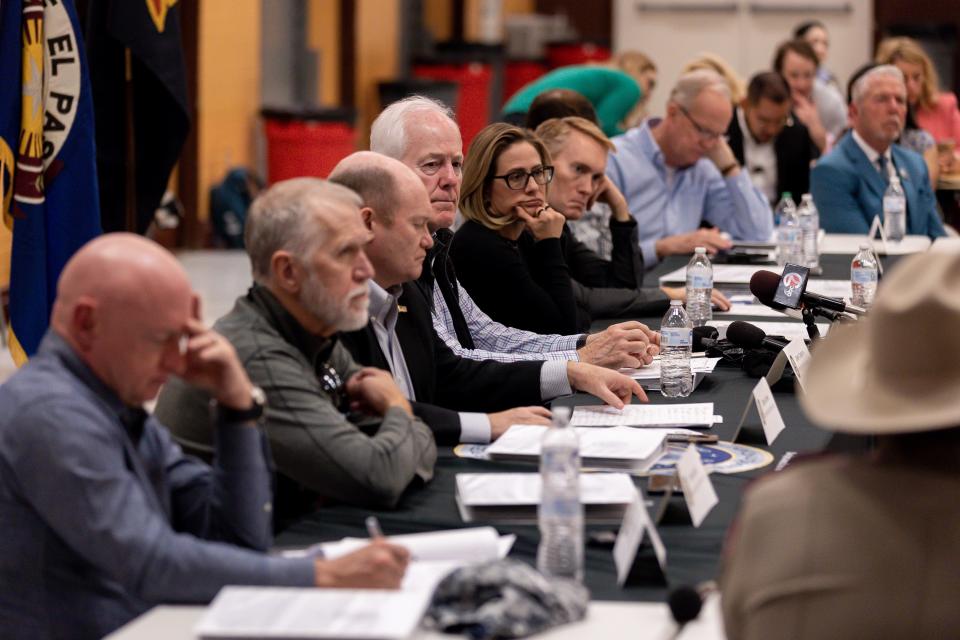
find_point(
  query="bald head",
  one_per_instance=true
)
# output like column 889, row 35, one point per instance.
column 121, row 271
column 381, row 181
column 396, row 208
column 123, row 304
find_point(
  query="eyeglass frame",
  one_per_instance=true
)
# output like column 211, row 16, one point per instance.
column 705, row 134
column 545, row 170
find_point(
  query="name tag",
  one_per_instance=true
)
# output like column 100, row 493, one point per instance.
column 769, row 413
column 698, row 490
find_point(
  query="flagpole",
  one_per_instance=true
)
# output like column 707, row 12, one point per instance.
column 130, row 179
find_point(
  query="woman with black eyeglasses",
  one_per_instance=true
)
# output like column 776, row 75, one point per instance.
column 507, row 254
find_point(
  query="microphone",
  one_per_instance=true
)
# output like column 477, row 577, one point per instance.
column 685, row 603
column 705, row 337
column 763, row 284
column 748, row 336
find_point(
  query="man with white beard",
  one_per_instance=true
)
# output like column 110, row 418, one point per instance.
column 337, row 431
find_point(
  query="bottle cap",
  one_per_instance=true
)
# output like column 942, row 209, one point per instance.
column 701, row 250
column 864, row 247
column 676, row 303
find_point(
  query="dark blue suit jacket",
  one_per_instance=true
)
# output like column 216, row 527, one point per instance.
column 848, row 190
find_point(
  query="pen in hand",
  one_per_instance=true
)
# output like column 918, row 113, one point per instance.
column 373, row 527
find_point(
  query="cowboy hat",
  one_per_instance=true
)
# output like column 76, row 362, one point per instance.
column 897, row 370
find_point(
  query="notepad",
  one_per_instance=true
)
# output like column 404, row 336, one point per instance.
column 514, row 497
column 617, row 448
column 698, row 414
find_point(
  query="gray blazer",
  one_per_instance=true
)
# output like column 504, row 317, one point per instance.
column 313, row 443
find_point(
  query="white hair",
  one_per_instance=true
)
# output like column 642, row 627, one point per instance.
column 280, row 219
column 388, row 134
column 693, row 83
column 860, row 87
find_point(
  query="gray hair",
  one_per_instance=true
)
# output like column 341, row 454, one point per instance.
column 283, row 218
column 374, row 183
column 388, row 133
column 860, row 87
column 693, row 83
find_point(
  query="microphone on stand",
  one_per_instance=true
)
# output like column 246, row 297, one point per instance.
column 764, row 285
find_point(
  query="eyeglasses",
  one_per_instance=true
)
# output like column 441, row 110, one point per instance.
column 518, row 179
column 705, row 134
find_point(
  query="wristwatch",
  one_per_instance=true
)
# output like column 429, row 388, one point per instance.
column 258, row 402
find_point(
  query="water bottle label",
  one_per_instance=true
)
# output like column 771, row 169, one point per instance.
column 676, row 337
column 863, row 276
column 697, row 281
column 893, row 205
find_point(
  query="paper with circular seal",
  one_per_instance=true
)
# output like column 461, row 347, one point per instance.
column 722, row 457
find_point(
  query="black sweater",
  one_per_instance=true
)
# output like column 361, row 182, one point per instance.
column 529, row 289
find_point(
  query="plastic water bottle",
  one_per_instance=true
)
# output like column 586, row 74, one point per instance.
column 786, row 202
column 560, row 516
column 810, row 224
column 699, row 288
column 676, row 345
column 894, row 210
column 789, row 235
column 863, row 277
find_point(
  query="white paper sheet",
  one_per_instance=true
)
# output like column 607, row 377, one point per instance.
column 722, row 273
column 843, row 243
column 652, row 370
column 277, row 612
column 645, row 415
column 479, row 544
column 511, row 489
column 620, row 443
column 789, row 330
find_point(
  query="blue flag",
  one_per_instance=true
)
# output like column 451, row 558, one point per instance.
column 47, row 158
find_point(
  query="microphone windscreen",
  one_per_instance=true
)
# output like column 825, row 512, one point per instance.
column 763, row 284
column 745, row 335
column 685, row 603
column 703, row 333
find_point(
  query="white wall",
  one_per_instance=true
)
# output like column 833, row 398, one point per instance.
column 745, row 37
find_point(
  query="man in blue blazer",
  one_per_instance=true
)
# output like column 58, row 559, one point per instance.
column 848, row 183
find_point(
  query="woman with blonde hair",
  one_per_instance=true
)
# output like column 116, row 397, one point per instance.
column 713, row 62
column 935, row 110
column 507, row 253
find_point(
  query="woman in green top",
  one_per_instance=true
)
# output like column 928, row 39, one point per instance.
column 614, row 92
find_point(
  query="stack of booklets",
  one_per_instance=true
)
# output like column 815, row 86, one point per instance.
column 351, row 614
column 513, row 498
column 613, row 449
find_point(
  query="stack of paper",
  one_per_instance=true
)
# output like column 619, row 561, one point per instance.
column 699, row 414
column 277, row 612
column 514, row 497
column 619, row 449
column 652, row 370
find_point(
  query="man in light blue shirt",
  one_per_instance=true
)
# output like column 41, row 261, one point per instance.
column 103, row 515
column 679, row 172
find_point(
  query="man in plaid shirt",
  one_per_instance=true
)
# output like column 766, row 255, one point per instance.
column 422, row 134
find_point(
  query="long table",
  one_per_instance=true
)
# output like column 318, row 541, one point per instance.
column 693, row 553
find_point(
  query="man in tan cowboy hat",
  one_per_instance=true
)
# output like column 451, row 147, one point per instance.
column 865, row 546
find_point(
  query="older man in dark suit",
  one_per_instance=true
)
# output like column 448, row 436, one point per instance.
column 461, row 399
